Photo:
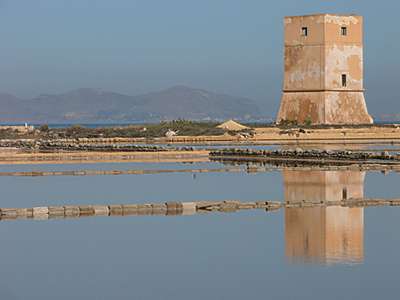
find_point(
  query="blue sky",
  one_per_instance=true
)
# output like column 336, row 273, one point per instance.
column 136, row 46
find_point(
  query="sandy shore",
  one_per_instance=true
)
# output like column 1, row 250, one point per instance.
column 274, row 135
column 367, row 134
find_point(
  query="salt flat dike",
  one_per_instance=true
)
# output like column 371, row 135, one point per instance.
column 72, row 151
column 173, row 208
column 307, row 157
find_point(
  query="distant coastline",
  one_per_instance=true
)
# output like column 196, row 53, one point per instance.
column 92, row 106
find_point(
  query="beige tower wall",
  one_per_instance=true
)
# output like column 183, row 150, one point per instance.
column 332, row 107
column 314, row 65
column 301, row 106
column 343, row 59
column 345, row 107
column 303, row 68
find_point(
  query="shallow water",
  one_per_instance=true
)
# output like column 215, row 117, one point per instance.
column 293, row 253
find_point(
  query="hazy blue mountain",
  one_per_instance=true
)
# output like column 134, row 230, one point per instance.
column 94, row 105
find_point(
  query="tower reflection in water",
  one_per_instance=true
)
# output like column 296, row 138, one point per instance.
column 324, row 235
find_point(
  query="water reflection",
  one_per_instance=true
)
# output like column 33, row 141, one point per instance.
column 324, row 234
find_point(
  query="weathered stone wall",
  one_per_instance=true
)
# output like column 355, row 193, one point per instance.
column 345, row 107
column 301, row 106
column 328, row 107
column 314, row 65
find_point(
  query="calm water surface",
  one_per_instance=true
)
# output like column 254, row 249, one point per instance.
column 309, row 253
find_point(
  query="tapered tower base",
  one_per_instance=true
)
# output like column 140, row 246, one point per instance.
column 327, row 107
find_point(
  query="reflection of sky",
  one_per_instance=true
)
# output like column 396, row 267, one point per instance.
column 235, row 256
column 22, row 191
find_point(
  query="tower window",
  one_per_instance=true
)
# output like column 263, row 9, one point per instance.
column 344, row 193
column 344, row 30
column 304, row 31
column 344, row 80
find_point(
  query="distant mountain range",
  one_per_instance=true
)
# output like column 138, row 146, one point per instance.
column 92, row 105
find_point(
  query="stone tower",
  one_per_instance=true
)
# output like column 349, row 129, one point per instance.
column 323, row 78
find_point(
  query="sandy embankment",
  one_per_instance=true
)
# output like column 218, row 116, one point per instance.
column 275, row 135
column 8, row 156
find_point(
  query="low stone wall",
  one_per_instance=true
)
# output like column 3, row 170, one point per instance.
column 161, row 209
column 173, row 208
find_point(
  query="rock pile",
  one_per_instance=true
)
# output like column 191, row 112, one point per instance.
column 82, row 145
column 300, row 154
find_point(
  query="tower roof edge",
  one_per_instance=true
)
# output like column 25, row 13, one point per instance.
column 324, row 14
